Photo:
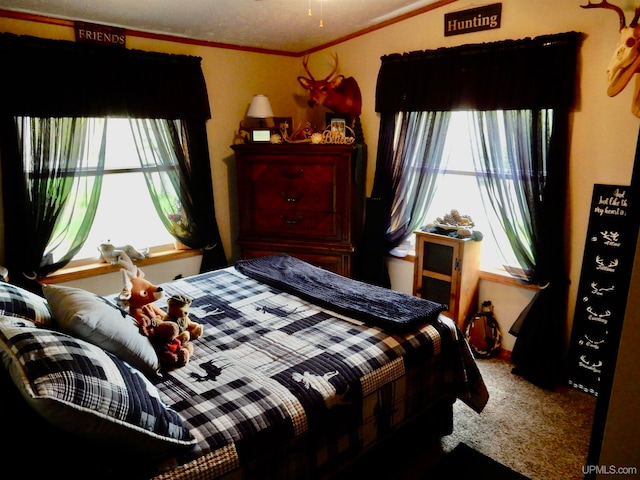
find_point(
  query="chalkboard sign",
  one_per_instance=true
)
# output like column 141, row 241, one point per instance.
column 603, row 288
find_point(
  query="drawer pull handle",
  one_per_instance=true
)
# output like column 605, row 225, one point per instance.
column 292, row 174
column 291, row 199
column 291, row 221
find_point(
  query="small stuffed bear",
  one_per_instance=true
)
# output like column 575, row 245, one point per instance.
column 178, row 313
column 138, row 294
column 171, row 350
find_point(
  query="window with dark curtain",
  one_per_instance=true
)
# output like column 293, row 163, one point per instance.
column 50, row 78
column 535, row 74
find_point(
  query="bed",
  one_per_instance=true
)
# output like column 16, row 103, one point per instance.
column 299, row 371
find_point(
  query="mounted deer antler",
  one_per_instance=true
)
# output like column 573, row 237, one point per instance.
column 340, row 95
column 605, row 4
column 305, row 64
column 625, row 61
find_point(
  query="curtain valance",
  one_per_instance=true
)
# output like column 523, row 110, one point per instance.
column 510, row 74
column 42, row 77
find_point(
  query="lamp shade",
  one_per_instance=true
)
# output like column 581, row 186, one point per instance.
column 260, row 107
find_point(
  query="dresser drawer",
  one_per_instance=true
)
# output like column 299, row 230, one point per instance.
column 294, row 195
column 335, row 262
column 293, row 186
column 301, row 224
column 274, row 171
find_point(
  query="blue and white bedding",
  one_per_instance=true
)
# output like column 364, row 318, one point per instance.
column 272, row 368
column 279, row 385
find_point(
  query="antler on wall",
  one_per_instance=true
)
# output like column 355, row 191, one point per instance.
column 625, row 61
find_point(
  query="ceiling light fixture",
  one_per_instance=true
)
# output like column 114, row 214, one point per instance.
column 310, row 14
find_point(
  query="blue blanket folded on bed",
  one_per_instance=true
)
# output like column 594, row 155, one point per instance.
column 374, row 305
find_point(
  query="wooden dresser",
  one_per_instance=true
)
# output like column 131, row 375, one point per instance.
column 301, row 199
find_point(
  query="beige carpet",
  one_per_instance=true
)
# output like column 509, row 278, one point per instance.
column 542, row 434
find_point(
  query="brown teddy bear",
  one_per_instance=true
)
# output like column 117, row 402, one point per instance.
column 172, row 351
column 178, row 313
column 138, row 294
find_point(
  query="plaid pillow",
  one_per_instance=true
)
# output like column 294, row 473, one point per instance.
column 83, row 389
column 18, row 302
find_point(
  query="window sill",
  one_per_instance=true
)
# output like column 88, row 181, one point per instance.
column 495, row 275
column 101, row 268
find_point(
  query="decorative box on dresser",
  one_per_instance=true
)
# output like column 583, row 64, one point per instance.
column 447, row 270
column 301, row 199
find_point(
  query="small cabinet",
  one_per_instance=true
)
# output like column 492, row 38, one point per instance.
column 446, row 271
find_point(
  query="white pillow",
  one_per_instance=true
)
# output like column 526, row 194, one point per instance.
column 90, row 317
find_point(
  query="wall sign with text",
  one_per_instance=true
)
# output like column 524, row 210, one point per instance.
column 100, row 34
column 473, row 20
column 603, row 288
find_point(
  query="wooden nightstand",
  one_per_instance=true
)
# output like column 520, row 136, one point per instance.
column 447, row 270
column 301, row 199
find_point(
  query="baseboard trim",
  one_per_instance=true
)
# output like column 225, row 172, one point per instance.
column 504, row 354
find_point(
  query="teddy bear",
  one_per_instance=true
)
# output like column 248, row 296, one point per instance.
column 139, row 295
column 171, row 350
column 178, row 313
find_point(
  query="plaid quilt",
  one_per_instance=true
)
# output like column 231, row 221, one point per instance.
column 273, row 372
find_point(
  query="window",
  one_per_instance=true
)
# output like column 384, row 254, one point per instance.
column 165, row 98
column 461, row 184
column 125, row 213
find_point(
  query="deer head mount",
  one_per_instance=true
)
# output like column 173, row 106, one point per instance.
column 339, row 94
column 625, row 61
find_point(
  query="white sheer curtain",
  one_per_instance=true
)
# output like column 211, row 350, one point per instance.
column 511, row 148
column 418, row 145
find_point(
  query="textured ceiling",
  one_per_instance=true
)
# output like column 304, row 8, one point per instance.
column 280, row 25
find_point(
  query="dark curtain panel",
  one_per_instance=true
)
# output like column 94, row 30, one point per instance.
column 52, row 78
column 369, row 261
column 198, row 179
column 515, row 74
column 538, row 351
column 57, row 78
column 506, row 75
